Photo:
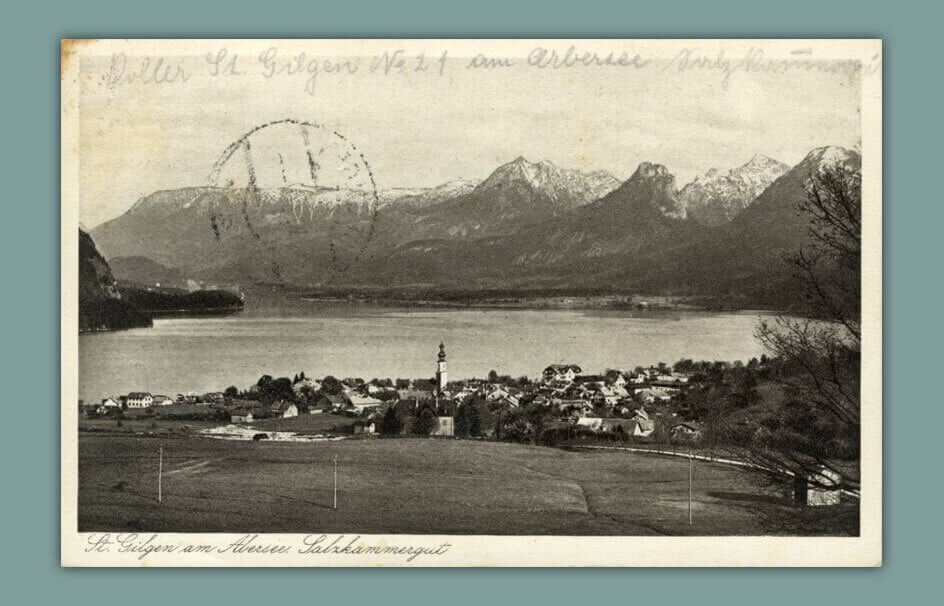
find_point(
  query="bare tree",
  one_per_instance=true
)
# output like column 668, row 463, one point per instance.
column 817, row 426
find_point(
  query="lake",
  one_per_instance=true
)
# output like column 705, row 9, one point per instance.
column 204, row 354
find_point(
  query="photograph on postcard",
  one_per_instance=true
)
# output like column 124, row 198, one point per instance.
column 341, row 289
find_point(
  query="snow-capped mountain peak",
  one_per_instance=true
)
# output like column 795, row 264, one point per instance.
column 546, row 178
column 829, row 155
column 716, row 196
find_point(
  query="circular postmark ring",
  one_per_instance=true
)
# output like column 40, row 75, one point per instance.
column 294, row 174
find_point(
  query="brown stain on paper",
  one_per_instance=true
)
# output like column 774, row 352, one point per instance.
column 68, row 47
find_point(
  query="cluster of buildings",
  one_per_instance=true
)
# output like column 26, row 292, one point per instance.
column 633, row 403
column 135, row 400
column 617, row 401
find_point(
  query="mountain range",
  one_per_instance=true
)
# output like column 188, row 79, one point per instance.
column 716, row 197
column 528, row 225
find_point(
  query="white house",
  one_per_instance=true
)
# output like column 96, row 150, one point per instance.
column 593, row 423
column 160, row 400
column 674, row 378
column 359, row 404
column 650, row 396
column 630, row 427
column 494, row 393
column 107, row 405
column 445, row 426
column 561, row 372
column 507, row 402
column 139, row 399
column 640, row 427
column 365, row 427
column 286, row 410
column 634, row 427
column 242, row 416
column 609, row 395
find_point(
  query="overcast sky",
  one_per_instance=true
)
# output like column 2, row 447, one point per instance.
column 423, row 129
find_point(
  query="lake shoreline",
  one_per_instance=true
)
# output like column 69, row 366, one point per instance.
column 204, row 353
column 536, row 303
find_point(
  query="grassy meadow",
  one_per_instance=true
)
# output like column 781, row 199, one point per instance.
column 422, row 486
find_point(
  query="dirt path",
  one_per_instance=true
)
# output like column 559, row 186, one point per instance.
column 194, row 466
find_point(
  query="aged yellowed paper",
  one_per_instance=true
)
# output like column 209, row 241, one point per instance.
column 450, row 302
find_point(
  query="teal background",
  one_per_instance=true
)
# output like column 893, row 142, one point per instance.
column 29, row 545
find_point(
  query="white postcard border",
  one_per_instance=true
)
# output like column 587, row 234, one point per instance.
column 167, row 549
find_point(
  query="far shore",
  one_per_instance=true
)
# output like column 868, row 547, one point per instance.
column 195, row 312
column 553, row 303
column 605, row 302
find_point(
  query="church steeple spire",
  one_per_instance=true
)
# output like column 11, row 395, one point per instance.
column 441, row 370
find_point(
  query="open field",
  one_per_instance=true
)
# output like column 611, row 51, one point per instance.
column 422, row 486
column 306, row 424
column 131, row 426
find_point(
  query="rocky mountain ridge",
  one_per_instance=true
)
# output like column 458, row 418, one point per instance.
column 526, row 224
column 715, row 197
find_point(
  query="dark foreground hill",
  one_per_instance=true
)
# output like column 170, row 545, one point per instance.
column 106, row 305
column 101, row 306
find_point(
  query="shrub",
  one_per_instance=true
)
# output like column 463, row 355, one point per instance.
column 391, row 424
column 425, row 422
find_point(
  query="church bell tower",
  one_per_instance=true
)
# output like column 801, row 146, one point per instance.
column 441, row 370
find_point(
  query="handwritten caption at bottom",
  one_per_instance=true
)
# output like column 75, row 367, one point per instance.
column 143, row 546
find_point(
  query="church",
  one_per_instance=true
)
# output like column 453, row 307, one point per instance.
column 446, row 424
column 441, row 370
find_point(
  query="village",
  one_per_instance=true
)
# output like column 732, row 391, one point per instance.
column 644, row 403
column 281, row 438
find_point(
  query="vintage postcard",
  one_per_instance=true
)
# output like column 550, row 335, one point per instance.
column 450, row 302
